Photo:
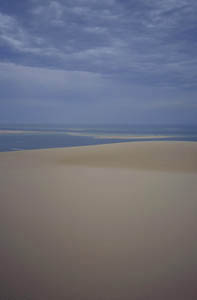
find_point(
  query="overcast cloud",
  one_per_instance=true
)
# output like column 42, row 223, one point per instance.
column 98, row 61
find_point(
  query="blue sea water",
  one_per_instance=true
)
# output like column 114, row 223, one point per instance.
column 52, row 136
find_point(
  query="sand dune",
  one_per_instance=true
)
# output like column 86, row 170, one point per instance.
column 99, row 222
column 162, row 156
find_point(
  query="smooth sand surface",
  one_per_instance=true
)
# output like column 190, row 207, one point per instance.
column 119, row 137
column 109, row 222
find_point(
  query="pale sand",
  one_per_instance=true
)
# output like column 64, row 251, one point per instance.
column 119, row 137
column 5, row 131
column 100, row 222
column 92, row 135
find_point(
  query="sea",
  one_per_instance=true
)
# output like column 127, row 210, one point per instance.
column 41, row 136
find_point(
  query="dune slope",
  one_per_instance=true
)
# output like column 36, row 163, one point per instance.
column 99, row 222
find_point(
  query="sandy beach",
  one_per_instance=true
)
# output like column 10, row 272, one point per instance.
column 120, row 136
column 107, row 222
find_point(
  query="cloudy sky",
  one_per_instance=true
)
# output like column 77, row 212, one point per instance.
column 98, row 61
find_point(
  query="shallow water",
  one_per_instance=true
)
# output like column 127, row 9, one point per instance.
column 52, row 136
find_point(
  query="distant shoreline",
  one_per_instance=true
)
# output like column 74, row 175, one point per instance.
column 29, row 139
column 95, row 135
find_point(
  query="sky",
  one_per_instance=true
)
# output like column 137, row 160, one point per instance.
column 98, row 61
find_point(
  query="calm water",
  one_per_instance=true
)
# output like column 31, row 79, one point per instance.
column 52, row 136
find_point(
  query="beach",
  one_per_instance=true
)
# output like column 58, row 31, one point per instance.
column 106, row 222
